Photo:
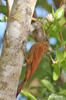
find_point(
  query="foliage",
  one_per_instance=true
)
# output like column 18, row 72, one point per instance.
column 3, row 9
column 56, row 97
column 49, row 72
column 48, row 85
column 44, row 5
column 28, row 95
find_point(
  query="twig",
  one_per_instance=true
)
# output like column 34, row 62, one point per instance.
column 61, row 37
column 65, row 47
column 64, row 24
column 53, row 61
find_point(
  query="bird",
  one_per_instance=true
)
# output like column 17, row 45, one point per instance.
column 33, row 59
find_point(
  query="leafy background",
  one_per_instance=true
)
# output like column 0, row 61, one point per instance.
column 46, row 83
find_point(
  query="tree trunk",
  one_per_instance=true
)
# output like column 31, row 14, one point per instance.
column 9, row 5
column 0, row 2
column 14, row 47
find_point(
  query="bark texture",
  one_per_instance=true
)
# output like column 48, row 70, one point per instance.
column 1, row 2
column 9, row 4
column 14, row 47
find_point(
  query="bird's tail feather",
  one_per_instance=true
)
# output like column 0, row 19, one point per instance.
column 21, row 86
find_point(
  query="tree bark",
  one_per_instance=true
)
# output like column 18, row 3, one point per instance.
column 1, row 2
column 9, row 5
column 14, row 47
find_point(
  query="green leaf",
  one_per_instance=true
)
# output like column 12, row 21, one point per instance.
column 3, row 9
column 48, row 23
column 56, row 71
column 61, row 55
column 4, row 19
column 63, row 92
column 53, row 11
column 28, row 95
column 45, row 26
column 63, row 64
column 40, row 18
column 64, row 43
column 59, row 13
column 54, row 30
column 56, row 97
column 31, row 39
column 45, row 65
column 48, row 85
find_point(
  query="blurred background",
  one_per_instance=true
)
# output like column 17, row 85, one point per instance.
column 41, row 86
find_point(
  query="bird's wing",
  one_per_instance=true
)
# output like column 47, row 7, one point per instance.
column 36, row 59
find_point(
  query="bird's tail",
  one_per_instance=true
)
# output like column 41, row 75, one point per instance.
column 21, row 86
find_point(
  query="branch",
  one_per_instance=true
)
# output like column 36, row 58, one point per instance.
column 61, row 37
column 9, row 5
